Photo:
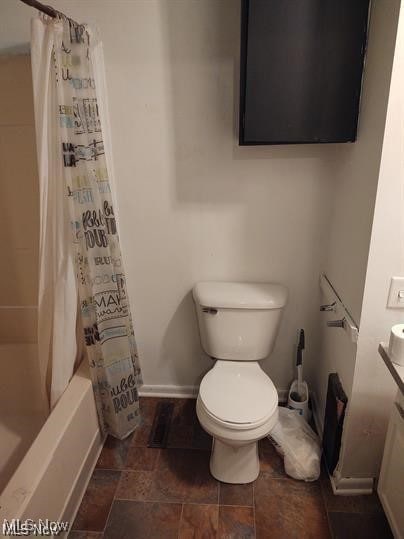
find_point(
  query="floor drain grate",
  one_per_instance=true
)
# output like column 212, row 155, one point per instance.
column 161, row 425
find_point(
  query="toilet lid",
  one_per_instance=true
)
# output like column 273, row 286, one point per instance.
column 238, row 392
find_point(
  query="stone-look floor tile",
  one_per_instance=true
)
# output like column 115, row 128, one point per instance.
column 359, row 526
column 141, row 435
column 270, row 462
column 185, row 429
column 182, row 424
column 148, row 407
column 236, row 494
column 349, row 504
column 84, row 535
column 236, row 523
column 201, row 439
column 142, row 458
column 130, row 520
column 289, row 509
column 135, row 486
column 93, row 511
column 199, row 522
column 114, row 453
column 183, row 475
column 284, row 508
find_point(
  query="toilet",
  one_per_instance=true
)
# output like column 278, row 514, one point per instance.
column 237, row 402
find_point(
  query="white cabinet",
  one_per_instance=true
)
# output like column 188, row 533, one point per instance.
column 391, row 481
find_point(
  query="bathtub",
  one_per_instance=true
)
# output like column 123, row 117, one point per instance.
column 51, row 478
column 45, row 459
column 23, row 406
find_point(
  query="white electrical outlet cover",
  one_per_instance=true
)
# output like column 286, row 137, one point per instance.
column 396, row 293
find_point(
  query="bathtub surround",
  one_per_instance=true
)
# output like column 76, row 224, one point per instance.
column 80, row 255
column 23, row 401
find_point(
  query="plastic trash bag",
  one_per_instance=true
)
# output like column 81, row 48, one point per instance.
column 298, row 444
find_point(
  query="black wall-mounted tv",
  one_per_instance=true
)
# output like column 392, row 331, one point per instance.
column 301, row 70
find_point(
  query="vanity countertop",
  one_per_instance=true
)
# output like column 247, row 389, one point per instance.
column 397, row 371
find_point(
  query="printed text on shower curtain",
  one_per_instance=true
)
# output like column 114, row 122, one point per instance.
column 104, row 305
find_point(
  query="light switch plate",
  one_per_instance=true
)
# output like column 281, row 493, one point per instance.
column 396, row 293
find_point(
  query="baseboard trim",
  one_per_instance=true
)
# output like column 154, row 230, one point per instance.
column 169, row 391
column 186, row 392
column 351, row 486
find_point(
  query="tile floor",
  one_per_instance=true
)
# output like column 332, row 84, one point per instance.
column 139, row 492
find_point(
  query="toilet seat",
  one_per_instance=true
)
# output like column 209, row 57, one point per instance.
column 238, row 395
column 235, row 434
column 230, row 425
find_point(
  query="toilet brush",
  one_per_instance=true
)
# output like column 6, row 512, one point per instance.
column 299, row 391
column 299, row 364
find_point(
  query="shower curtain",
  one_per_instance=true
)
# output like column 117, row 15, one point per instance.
column 82, row 284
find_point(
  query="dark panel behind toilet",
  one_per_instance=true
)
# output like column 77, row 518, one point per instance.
column 333, row 421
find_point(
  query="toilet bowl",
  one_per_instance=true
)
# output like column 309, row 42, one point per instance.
column 237, row 402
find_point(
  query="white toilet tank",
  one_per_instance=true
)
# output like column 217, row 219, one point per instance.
column 239, row 321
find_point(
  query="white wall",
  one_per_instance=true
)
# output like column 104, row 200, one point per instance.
column 193, row 205
column 357, row 165
column 356, row 169
column 366, row 248
column 373, row 388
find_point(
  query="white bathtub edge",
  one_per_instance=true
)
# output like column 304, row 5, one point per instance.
column 82, row 479
column 48, row 482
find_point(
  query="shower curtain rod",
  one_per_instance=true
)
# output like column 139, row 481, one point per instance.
column 48, row 10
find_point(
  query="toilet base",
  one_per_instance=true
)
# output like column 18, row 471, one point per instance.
column 231, row 464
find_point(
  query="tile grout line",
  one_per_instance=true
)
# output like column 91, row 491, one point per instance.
column 179, row 523
column 218, row 508
column 97, row 534
column 17, row 125
column 352, row 512
column 117, row 488
column 113, row 500
column 156, row 464
column 329, row 524
column 325, row 505
column 217, row 522
column 253, row 495
column 184, row 502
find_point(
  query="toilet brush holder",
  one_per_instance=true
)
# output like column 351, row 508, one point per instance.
column 299, row 401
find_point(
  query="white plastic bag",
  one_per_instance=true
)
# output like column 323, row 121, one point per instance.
column 298, row 444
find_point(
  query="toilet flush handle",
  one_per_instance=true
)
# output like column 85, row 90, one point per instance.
column 209, row 310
